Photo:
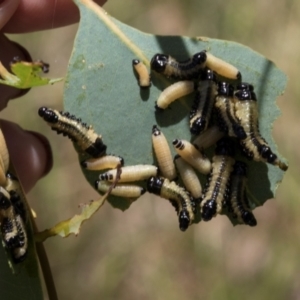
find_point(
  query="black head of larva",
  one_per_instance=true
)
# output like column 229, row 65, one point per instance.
column 197, row 126
column 155, row 130
column 208, row 74
column 48, row 115
column 267, row 153
column 239, row 168
column 225, row 89
column 135, row 61
column 199, row 58
column 4, row 202
column 225, row 146
column 154, row 185
column 209, row 209
column 184, row 220
column 158, row 62
column 245, row 86
column 249, row 218
column 245, row 95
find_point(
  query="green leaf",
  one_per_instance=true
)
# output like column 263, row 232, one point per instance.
column 25, row 75
column 101, row 88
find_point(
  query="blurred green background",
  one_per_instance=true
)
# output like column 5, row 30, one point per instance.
column 141, row 253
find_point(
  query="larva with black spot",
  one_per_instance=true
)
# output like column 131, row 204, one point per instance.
column 203, row 103
column 189, row 177
column 163, row 154
column 238, row 202
column 191, row 154
column 102, row 163
column 178, row 196
column 216, row 190
column 174, row 92
column 208, row 138
column 130, row 173
column 254, row 145
column 222, row 67
column 120, row 190
column 184, row 70
column 225, row 111
column 68, row 125
column 144, row 79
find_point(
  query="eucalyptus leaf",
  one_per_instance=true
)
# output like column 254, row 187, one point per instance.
column 101, row 88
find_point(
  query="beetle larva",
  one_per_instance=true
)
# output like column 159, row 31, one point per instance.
column 130, row 173
column 163, row 154
column 192, row 155
column 203, row 103
column 225, row 110
column 178, row 196
column 216, row 190
column 208, row 138
column 189, row 177
column 102, row 163
column 120, row 190
column 254, row 145
column 185, row 70
column 174, row 92
column 68, row 125
column 222, row 67
column 238, row 202
column 143, row 74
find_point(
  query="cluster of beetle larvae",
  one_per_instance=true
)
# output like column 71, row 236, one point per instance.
column 236, row 114
column 13, row 207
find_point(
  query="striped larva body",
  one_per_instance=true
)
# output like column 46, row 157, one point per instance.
column 163, row 154
column 184, row 70
column 130, row 173
column 254, row 145
column 68, row 125
column 19, row 252
column 216, row 190
column 143, row 74
column 192, row 155
column 120, row 190
column 178, row 196
column 222, row 67
column 174, row 92
column 208, row 138
column 103, row 162
column 225, row 110
column 203, row 103
column 238, row 202
column 189, row 177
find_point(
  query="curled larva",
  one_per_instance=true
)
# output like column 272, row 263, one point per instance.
column 178, row 196
column 222, row 67
column 192, row 155
column 170, row 67
column 130, row 173
column 208, row 138
column 174, row 92
column 143, row 74
column 189, row 177
column 204, row 101
column 254, row 145
column 225, row 111
column 237, row 201
column 102, row 163
column 163, row 154
column 216, row 190
column 68, row 125
column 120, row 190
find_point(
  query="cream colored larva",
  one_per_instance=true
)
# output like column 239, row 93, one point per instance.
column 189, row 177
column 222, row 67
column 102, row 163
column 192, row 155
column 120, row 190
column 208, row 138
column 143, row 73
column 163, row 154
column 130, row 173
column 174, row 92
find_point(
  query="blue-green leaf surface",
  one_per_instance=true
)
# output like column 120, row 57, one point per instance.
column 102, row 89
